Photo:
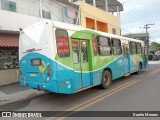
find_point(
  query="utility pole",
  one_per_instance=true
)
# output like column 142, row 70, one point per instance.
column 147, row 36
column 147, row 39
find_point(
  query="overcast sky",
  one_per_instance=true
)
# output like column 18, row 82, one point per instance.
column 137, row 13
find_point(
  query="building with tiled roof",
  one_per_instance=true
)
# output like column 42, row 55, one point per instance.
column 9, row 39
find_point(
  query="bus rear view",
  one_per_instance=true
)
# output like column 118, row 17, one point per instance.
column 64, row 58
column 36, row 51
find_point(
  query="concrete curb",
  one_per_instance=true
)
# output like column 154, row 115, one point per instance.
column 20, row 96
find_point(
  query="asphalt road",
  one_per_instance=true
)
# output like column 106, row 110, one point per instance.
column 133, row 93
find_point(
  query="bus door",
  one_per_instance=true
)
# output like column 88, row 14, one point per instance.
column 126, row 59
column 80, row 52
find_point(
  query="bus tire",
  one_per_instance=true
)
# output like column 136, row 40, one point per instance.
column 106, row 79
column 139, row 68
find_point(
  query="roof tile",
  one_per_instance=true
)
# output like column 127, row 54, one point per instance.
column 9, row 40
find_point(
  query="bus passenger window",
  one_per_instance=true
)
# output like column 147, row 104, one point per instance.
column 104, row 47
column 116, row 45
column 94, row 44
column 125, row 51
column 139, row 48
column 145, row 50
column 84, row 52
column 75, row 52
column 133, row 47
column 62, row 41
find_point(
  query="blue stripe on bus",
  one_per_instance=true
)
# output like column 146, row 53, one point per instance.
column 62, row 79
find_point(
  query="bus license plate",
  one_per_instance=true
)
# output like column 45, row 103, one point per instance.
column 32, row 74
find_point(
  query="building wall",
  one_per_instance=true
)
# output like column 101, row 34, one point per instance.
column 29, row 7
column 27, row 13
column 89, row 11
column 9, row 76
column 14, row 21
column 58, row 11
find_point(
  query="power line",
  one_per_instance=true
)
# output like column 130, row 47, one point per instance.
column 94, row 17
column 155, row 30
column 139, row 12
column 155, row 37
column 51, row 11
column 135, row 12
column 132, row 12
column 135, row 8
column 85, row 13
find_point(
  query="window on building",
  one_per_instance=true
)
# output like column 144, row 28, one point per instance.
column 46, row 14
column 116, row 45
column 133, row 47
column 139, row 48
column 9, row 5
column 104, row 46
column 113, row 31
column 62, row 43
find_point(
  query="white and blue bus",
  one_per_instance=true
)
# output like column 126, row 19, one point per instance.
column 64, row 58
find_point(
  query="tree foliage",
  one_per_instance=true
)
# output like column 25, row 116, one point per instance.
column 154, row 46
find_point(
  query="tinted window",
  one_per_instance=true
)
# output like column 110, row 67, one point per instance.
column 139, row 49
column 104, row 47
column 133, row 47
column 116, row 45
column 103, row 41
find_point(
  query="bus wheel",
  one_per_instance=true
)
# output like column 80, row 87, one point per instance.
column 139, row 68
column 106, row 79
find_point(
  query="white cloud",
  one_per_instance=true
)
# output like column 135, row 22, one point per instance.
column 138, row 13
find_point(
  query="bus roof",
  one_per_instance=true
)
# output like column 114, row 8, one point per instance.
column 73, row 27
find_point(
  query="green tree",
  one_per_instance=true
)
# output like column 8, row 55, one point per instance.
column 154, row 46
